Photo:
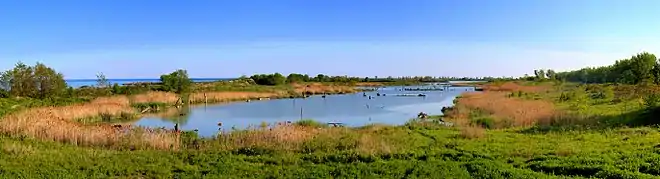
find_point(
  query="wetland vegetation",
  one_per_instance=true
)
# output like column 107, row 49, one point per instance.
column 590, row 123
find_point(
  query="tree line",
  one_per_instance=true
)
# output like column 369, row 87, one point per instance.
column 43, row 82
column 642, row 68
column 279, row 79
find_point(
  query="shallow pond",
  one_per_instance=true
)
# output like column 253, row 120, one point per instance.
column 350, row 109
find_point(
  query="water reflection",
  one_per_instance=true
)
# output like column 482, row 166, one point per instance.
column 350, row 109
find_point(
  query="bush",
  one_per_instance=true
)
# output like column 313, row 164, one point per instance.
column 309, row 123
column 485, row 122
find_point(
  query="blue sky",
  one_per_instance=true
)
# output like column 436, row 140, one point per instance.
column 211, row 38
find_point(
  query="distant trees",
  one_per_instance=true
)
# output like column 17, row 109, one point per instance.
column 269, row 79
column 642, row 68
column 37, row 81
column 177, row 82
column 296, row 78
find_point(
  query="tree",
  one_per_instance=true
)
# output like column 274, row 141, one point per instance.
column 540, row 74
column 296, row 78
column 48, row 82
column 551, row 74
column 641, row 66
column 39, row 81
column 269, row 79
column 177, row 82
column 101, row 81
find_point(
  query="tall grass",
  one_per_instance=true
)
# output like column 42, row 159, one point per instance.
column 58, row 124
column 505, row 111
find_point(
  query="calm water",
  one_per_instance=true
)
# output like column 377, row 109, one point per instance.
column 92, row 82
column 350, row 109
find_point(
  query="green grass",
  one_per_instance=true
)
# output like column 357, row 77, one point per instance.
column 421, row 153
column 419, row 149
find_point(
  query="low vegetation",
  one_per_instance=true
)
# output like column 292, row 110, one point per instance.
column 544, row 126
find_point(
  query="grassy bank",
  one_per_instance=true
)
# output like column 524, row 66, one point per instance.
column 91, row 123
column 511, row 130
column 415, row 150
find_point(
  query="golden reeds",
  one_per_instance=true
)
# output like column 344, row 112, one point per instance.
column 57, row 124
column 506, row 111
column 320, row 88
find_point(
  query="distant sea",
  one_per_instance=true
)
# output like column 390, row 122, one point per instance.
column 76, row 83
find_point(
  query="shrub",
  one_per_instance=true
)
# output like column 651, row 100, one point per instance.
column 309, row 123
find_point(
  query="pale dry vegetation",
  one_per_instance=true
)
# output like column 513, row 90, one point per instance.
column 505, row 111
column 295, row 138
column 320, row 88
column 229, row 96
column 155, row 97
column 472, row 132
column 514, row 86
column 57, row 124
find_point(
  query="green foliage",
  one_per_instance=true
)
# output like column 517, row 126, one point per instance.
column 37, row 81
column 269, row 79
column 416, row 153
column 297, row 78
column 177, row 82
column 652, row 101
column 309, row 123
column 642, row 68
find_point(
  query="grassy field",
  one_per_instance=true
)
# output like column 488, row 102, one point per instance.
column 413, row 151
column 511, row 130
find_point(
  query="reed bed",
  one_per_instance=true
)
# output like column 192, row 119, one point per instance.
column 513, row 86
column 229, row 96
column 295, row 138
column 275, row 138
column 155, row 97
column 505, row 111
column 57, row 124
column 320, row 88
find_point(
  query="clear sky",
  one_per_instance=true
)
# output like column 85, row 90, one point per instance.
column 229, row 38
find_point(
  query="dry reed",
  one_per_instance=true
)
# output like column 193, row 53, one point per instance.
column 513, row 86
column 472, row 132
column 505, row 111
column 320, row 88
column 57, row 124
column 229, row 96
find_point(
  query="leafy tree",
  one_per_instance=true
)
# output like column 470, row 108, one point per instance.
column 296, row 78
column 642, row 66
column 39, row 81
column 177, row 82
column 540, row 74
column 269, row 79
column 551, row 75
column 48, row 82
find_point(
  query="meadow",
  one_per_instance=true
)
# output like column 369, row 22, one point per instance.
column 528, row 135
column 529, row 128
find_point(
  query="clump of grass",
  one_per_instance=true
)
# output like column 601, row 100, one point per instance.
column 472, row 132
column 15, row 148
column 309, row 123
